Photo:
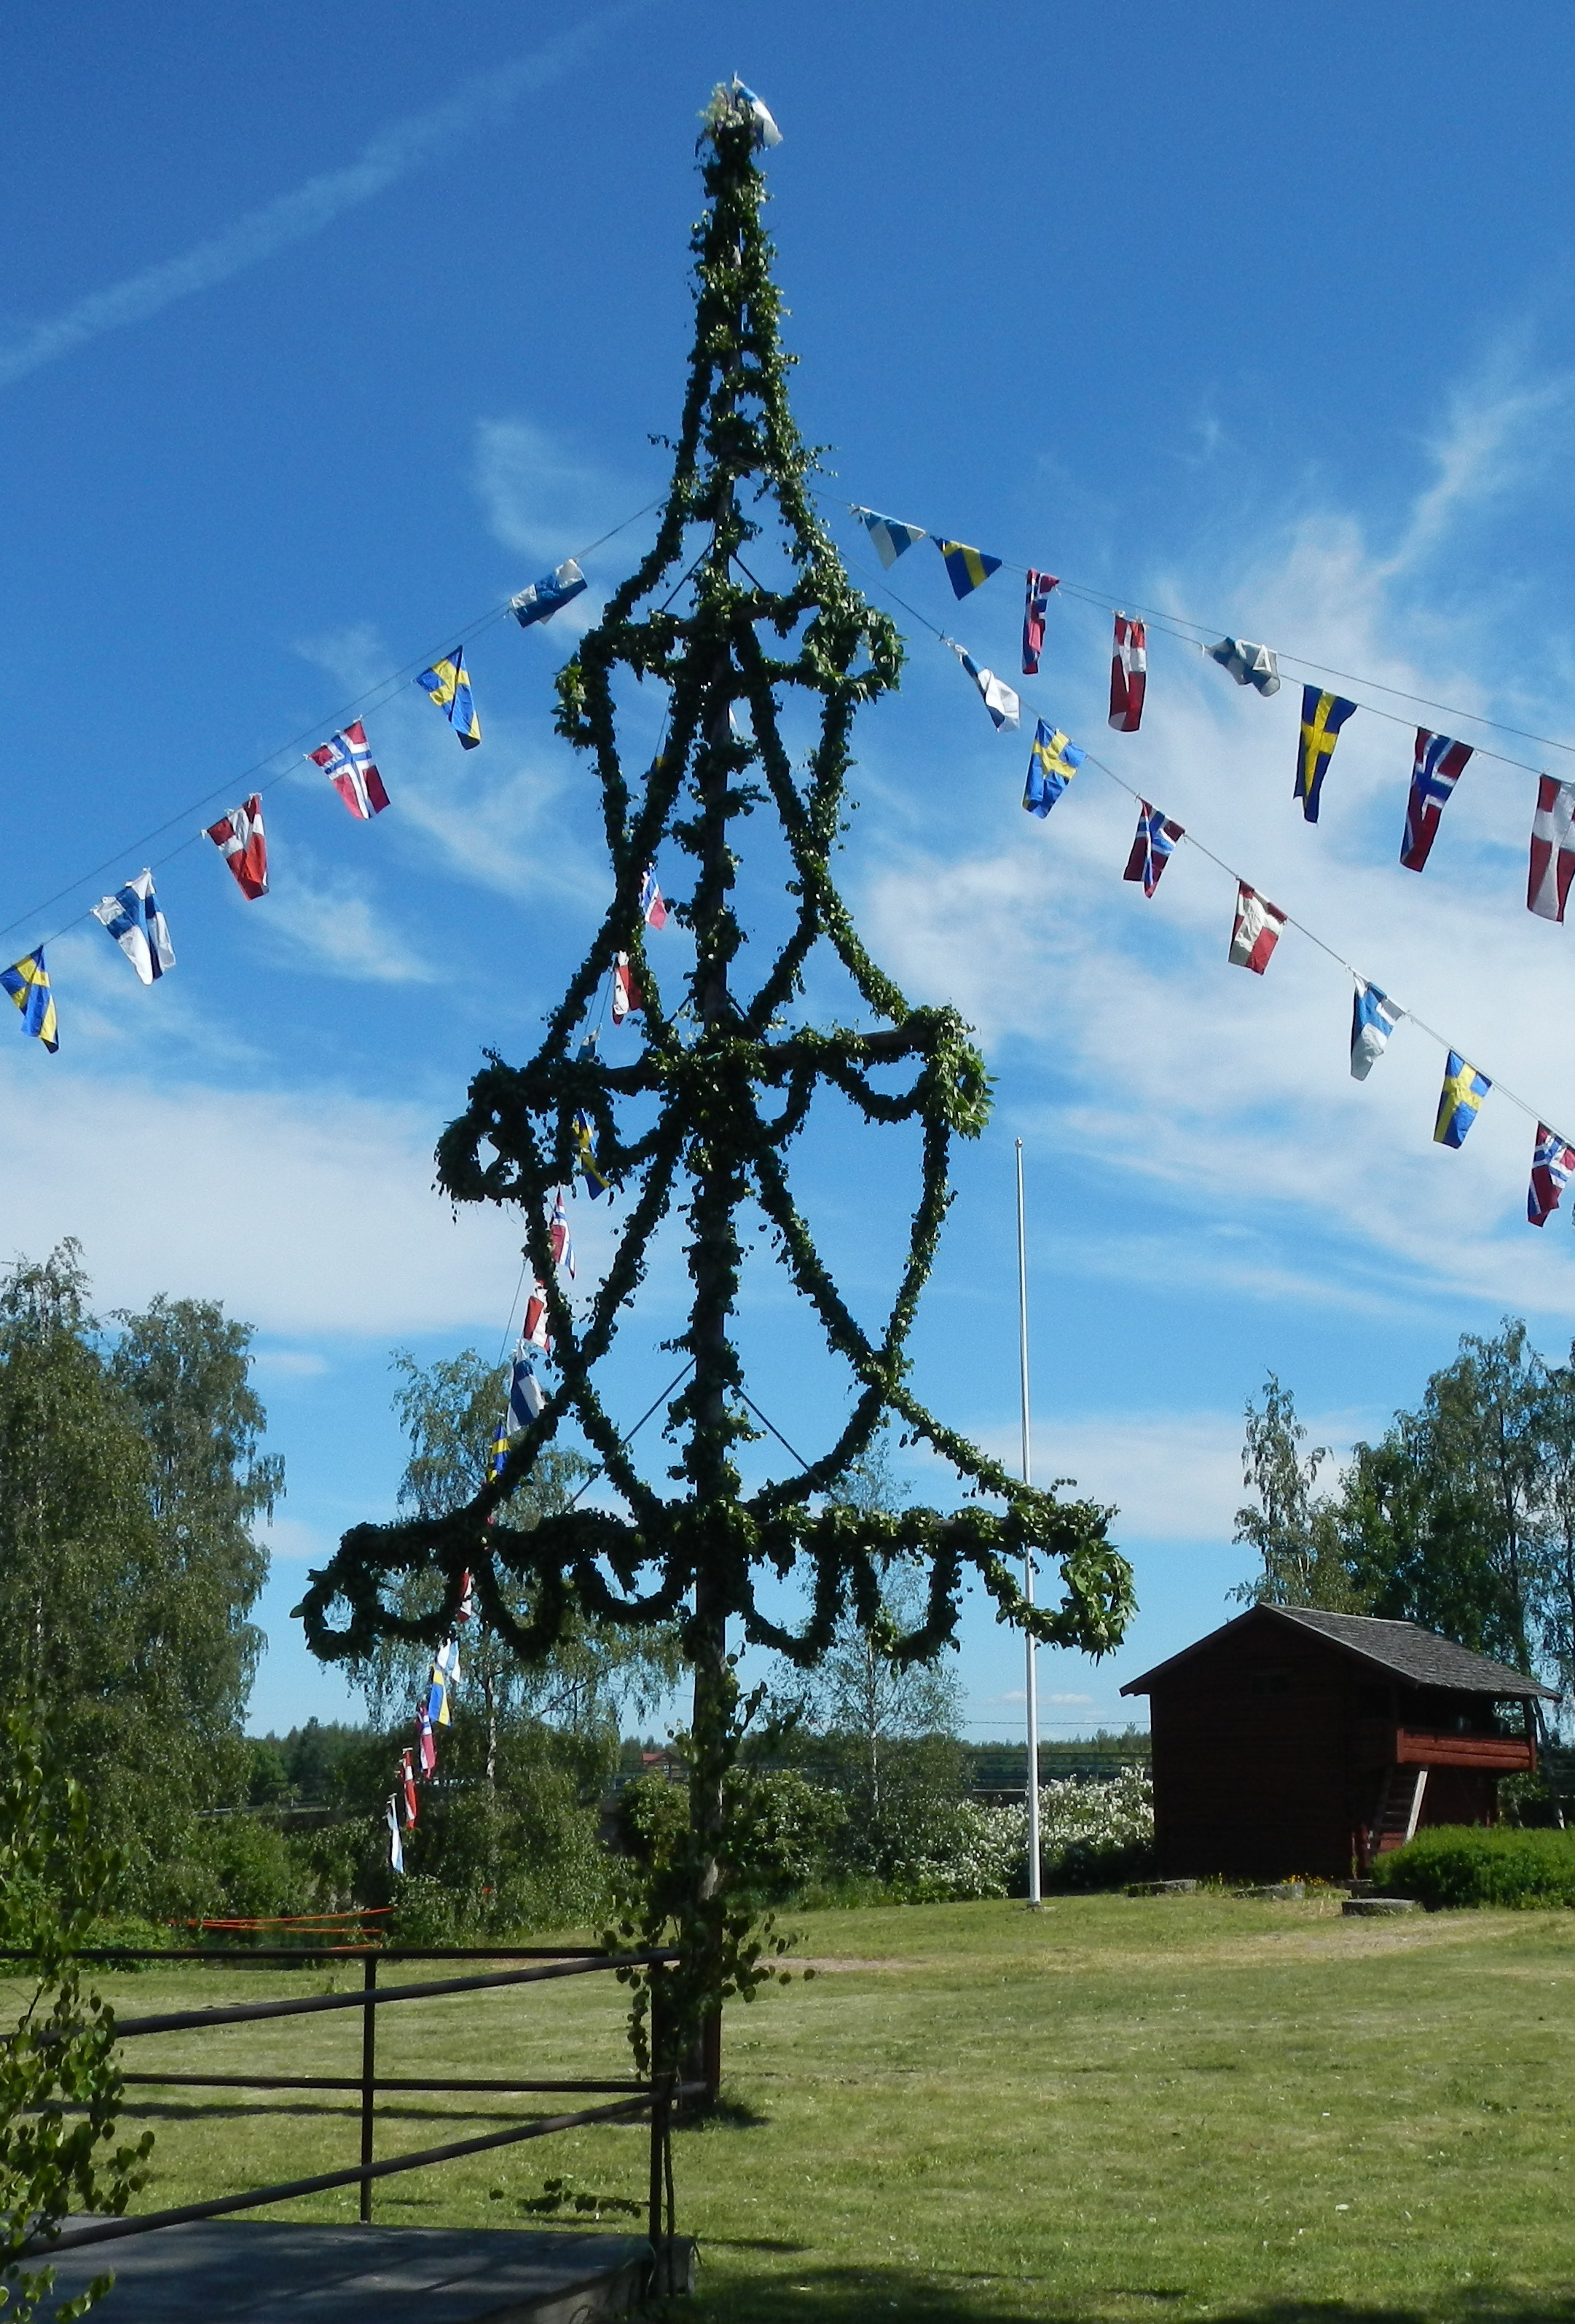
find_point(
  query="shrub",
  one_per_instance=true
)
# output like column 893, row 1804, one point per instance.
column 1098, row 1834
column 1452, row 1865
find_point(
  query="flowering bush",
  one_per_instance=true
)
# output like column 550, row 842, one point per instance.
column 1095, row 1835
column 974, row 1851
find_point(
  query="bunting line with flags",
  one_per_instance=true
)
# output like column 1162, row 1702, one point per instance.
column 346, row 760
column 1552, row 849
column 1129, row 675
column 1322, row 717
column 1436, row 769
column 1052, row 761
column 449, row 687
column 1259, row 926
column 27, row 981
column 240, row 839
column 1552, row 1162
column 967, row 569
column 132, row 918
column 1373, row 1018
column 1460, row 1101
column 1036, row 606
column 1152, row 845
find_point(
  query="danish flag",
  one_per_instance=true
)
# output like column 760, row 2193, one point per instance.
column 625, row 990
column 1129, row 675
column 535, row 1334
column 240, row 840
column 563, row 1243
column 1552, row 849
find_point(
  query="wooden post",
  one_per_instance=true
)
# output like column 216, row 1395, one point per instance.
column 368, row 2079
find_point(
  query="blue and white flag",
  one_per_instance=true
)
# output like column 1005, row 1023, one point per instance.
column 1373, row 1018
column 527, row 1397
column 891, row 539
column 999, row 699
column 543, row 598
column 396, row 1847
column 133, row 919
column 1052, row 764
column 765, row 130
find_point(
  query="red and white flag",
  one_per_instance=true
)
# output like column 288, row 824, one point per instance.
column 407, row 1777
column 1258, row 928
column 562, row 1242
column 240, row 840
column 625, row 988
column 1552, row 849
column 1129, row 675
column 426, row 1744
column 466, row 1598
column 650, row 901
column 346, row 760
column 535, row 1334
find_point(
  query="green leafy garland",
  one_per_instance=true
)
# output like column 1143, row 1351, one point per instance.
column 722, row 1088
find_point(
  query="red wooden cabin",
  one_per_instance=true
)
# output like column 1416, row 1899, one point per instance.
column 1295, row 1741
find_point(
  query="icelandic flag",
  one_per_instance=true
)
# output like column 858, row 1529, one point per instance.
column 1129, row 677
column 1436, row 769
column 625, row 988
column 407, row 1778
column 27, row 982
column 1036, row 604
column 346, row 760
column 1322, row 717
column 1460, row 1101
column 891, row 539
column 1552, row 1162
column 535, row 1334
column 1258, row 928
column 1552, row 849
column 562, row 1242
column 1373, row 1018
column 1248, row 665
column 240, row 840
column 1152, row 845
column 999, row 699
column 133, row 919
column 653, row 911
column 542, row 599
column 449, row 688
column 966, row 568
column 527, row 1397
column 426, row 1745
column 396, row 1847
column 1052, row 764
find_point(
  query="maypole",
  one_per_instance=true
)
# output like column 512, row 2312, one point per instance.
column 741, row 608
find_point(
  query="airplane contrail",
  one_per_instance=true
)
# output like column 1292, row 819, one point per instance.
column 391, row 154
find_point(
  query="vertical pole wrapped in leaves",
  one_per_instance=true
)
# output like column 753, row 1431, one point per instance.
column 741, row 614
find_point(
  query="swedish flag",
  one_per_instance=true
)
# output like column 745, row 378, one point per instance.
column 449, row 687
column 966, row 568
column 1460, row 1101
column 1322, row 717
column 28, row 984
column 1052, row 764
column 586, row 1158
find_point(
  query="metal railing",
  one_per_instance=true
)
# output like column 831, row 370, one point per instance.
column 657, row 2096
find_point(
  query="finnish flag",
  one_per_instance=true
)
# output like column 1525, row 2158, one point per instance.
column 1373, row 1018
column 543, row 598
column 133, row 919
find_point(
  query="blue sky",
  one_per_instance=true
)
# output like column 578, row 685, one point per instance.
column 321, row 333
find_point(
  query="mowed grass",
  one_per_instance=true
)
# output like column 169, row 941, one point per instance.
column 1116, row 2109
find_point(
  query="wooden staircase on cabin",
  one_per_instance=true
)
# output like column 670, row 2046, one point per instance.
column 1399, row 1807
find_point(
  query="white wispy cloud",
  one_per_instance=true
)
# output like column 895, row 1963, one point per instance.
column 403, row 146
column 336, row 922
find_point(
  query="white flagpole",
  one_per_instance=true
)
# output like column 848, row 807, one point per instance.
column 1033, row 1672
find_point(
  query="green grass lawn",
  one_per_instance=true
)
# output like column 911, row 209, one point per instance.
column 1117, row 2108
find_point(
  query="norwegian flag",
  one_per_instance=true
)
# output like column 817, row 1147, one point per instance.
column 240, row 840
column 1436, row 769
column 1258, row 928
column 1129, row 675
column 1552, row 849
column 426, row 1744
column 407, row 1778
column 1152, row 846
column 652, row 909
column 562, row 1241
column 1035, row 606
column 1552, row 1162
column 625, row 988
column 346, row 760
column 535, row 1334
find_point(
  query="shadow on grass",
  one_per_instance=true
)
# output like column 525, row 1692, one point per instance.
column 728, row 2112
column 871, row 2296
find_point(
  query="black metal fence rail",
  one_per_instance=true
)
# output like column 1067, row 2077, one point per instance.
column 546, row 1965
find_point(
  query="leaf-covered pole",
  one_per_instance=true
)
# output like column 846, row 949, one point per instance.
column 706, row 1118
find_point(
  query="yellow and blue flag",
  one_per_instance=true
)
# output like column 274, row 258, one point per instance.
column 966, row 568
column 28, row 984
column 1322, row 717
column 1052, row 764
column 449, row 688
column 586, row 1158
column 1459, row 1102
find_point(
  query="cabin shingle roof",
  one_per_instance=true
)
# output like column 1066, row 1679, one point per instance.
column 1405, row 1648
